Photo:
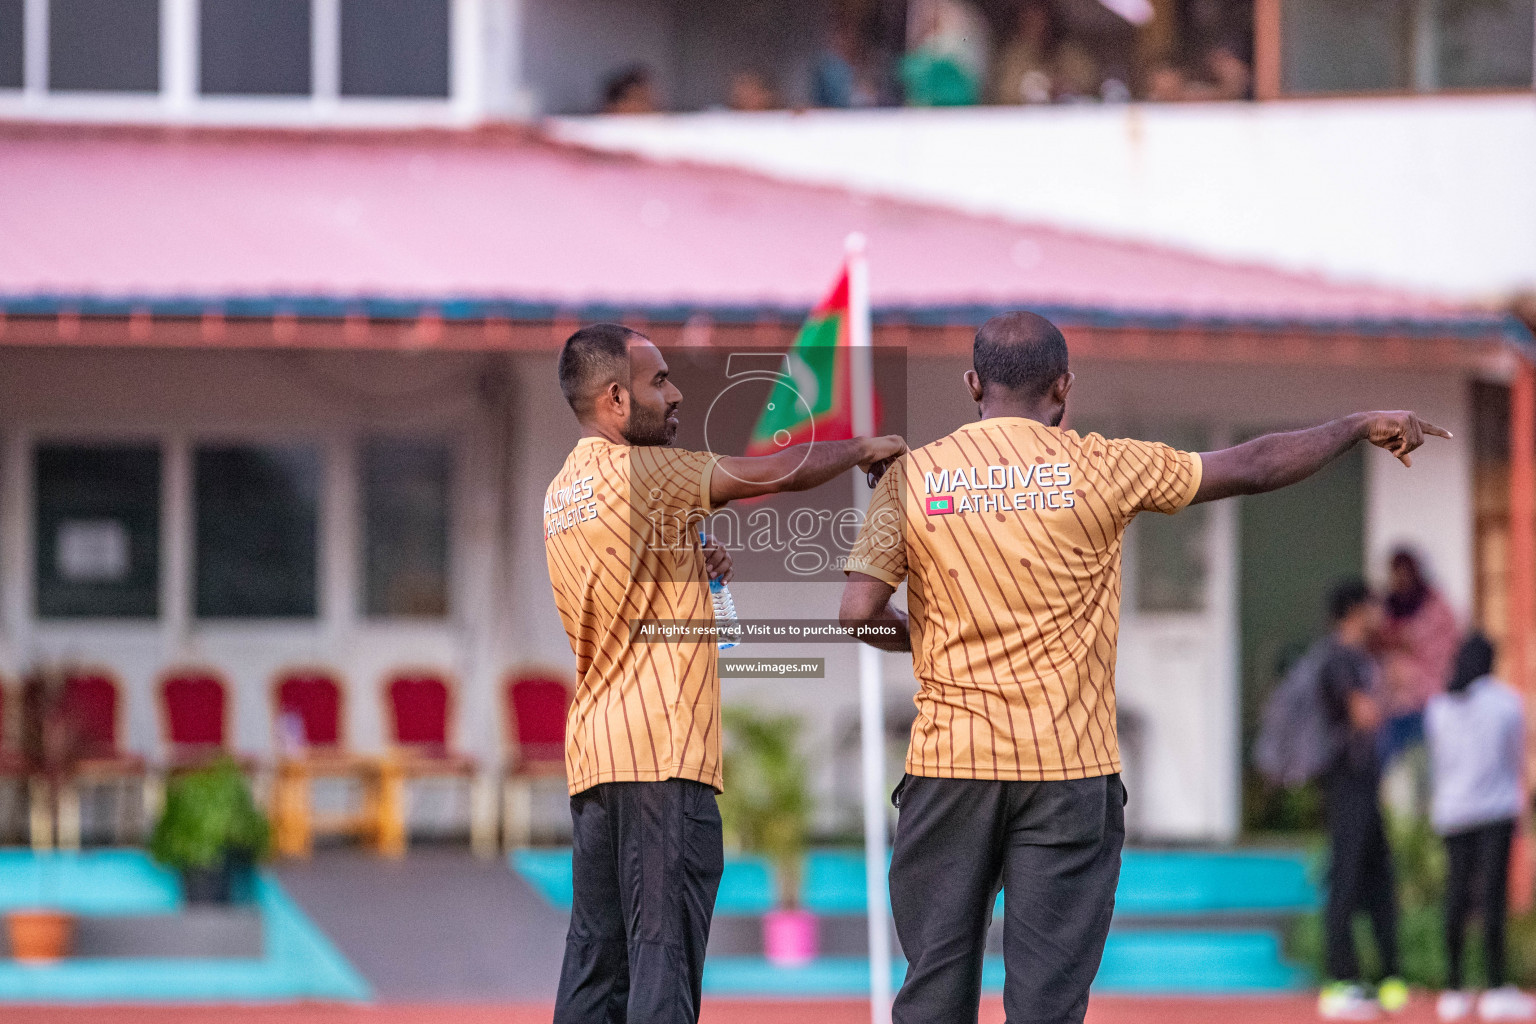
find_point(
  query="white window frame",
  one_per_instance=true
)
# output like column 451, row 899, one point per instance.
column 178, row 100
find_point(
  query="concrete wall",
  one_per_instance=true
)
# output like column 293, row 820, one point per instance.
column 1432, row 193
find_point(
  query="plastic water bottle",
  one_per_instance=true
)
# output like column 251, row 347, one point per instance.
column 729, row 627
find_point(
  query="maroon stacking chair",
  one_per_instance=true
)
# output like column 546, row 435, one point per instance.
column 419, row 713
column 195, row 719
column 535, row 705
column 309, row 724
column 92, row 705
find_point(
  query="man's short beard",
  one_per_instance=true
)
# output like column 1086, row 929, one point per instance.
column 648, row 428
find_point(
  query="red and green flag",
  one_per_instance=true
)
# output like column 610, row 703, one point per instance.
column 814, row 399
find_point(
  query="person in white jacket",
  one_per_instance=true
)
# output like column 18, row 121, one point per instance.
column 1476, row 736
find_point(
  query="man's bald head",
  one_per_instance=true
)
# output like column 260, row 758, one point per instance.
column 1022, row 352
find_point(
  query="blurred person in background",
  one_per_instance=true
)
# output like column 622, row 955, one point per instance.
column 1223, row 76
column 1417, row 648
column 1166, row 83
column 840, row 77
column 948, row 65
column 1022, row 72
column 750, row 90
column 1231, row 74
column 630, row 91
column 1360, row 874
column 1076, row 73
column 1476, row 736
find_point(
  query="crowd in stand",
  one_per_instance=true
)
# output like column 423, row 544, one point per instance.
column 947, row 53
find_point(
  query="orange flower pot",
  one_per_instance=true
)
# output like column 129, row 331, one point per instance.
column 40, row 936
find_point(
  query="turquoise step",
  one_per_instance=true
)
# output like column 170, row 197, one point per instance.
column 1147, row 962
column 1152, row 882
column 298, row 962
column 1201, row 882
column 1182, row 961
column 1188, row 959
column 96, row 882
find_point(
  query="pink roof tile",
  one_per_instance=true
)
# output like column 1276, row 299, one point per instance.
column 147, row 214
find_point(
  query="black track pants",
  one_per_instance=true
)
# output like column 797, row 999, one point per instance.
column 1053, row 846
column 646, row 866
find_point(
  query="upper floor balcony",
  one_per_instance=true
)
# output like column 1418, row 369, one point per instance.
column 410, row 63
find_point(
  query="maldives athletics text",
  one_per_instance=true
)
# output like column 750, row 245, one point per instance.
column 999, row 488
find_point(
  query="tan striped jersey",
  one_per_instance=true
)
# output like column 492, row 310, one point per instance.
column 621, row 537
column 1007, row 533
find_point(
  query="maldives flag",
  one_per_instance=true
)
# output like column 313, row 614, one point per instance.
column 815, row 399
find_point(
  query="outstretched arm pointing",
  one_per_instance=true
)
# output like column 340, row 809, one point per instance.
column 802, row 467
column 1274, row 461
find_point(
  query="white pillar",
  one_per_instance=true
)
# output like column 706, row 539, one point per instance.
column 35, row 51
column 325, row 54
column 176, row 561
column 1426, row 46
column 178, row 55
column 15, row 545
column 466, row 60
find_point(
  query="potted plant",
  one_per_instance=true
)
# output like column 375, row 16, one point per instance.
column 766, row 809
column 50, row 747
column 211, row 832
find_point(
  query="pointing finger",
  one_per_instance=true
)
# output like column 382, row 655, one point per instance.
column 1430, row 428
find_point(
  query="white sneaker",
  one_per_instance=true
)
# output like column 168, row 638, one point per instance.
column 1340, row 1001
column 1454, row 1005
column 1507, row 1003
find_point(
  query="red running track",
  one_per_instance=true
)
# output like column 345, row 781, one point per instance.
column 1121, row 1010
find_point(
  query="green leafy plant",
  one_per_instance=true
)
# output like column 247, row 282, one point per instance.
column 766, row 807
column 210, row 818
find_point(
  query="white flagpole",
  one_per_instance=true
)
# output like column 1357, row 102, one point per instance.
column 871, row 690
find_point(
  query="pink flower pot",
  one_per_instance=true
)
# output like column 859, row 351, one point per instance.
column 789, row 937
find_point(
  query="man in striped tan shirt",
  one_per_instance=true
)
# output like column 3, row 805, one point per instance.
column 621, row 534
column 1007, row 533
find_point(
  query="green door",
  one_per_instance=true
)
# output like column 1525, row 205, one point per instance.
column 1294, row 545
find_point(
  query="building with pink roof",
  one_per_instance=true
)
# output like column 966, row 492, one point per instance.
column 358, row 331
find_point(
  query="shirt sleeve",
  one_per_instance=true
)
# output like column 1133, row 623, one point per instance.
column 672, row 479
column 1152, row 477
column 881, row 550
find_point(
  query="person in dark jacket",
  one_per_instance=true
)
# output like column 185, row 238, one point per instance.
column 1360, row 876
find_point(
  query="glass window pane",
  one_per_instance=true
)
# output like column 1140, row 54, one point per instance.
column 98, row 531
column 1486, row 43
column 394, row 48
column 257, row 514
column 111, row 45
column 254, row 47
column 12, row 42
column 405, row 527
column 1359, row 46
